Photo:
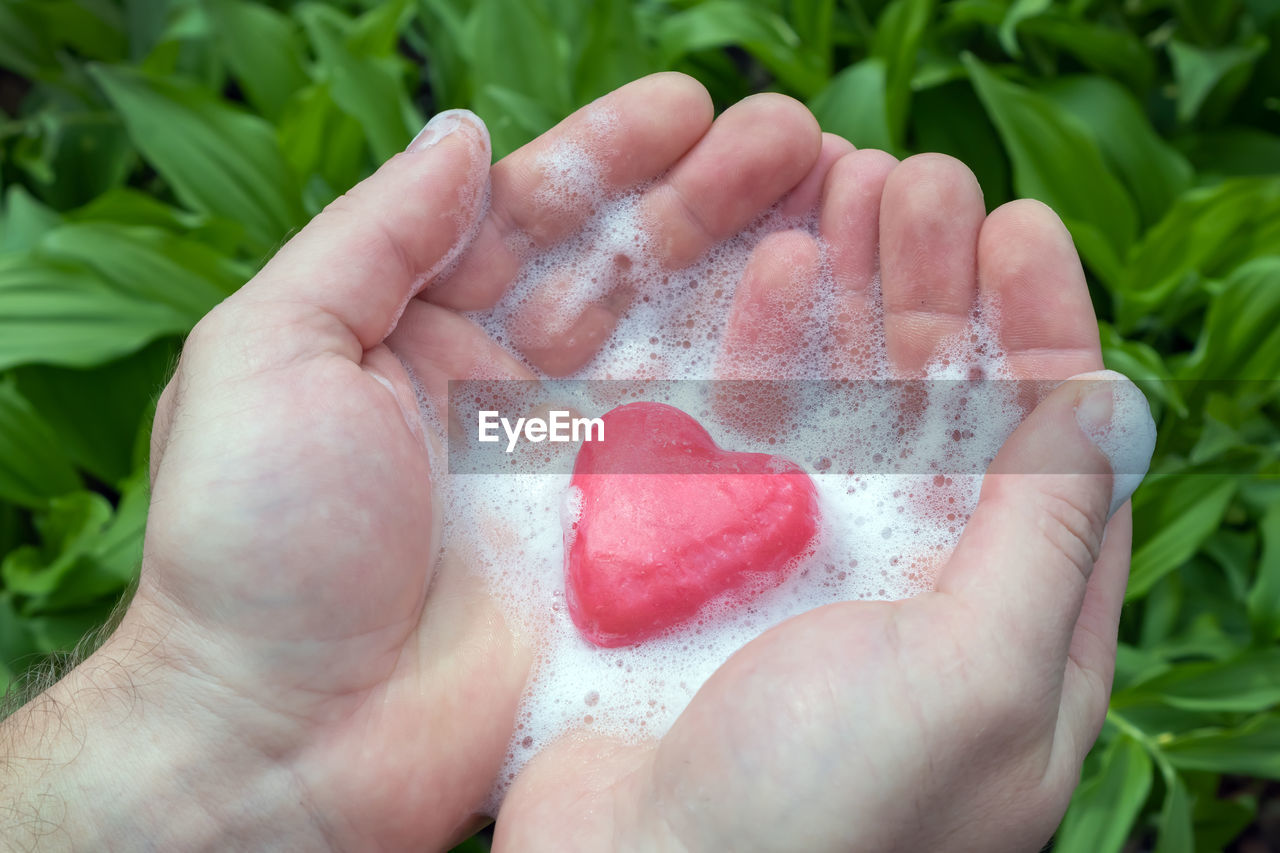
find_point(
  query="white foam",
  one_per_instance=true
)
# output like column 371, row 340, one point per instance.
column 1128, row 438
column 897, row 474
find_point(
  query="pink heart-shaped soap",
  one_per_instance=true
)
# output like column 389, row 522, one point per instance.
column 668, row 522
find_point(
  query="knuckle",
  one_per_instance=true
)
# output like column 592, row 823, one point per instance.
column 1072, row 527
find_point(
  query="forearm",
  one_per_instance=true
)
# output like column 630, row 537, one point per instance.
column 115, row 757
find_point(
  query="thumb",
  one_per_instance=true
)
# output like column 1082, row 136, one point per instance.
column 1026, row 555
column 342, row 283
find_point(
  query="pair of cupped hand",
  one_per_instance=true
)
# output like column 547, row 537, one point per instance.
column 326, row 677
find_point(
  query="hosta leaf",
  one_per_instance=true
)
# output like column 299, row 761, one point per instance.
column 1056, row 161
column 1105, row 806
column 899, row 32
column 1202, row 72
column 1264, row 598
column 1172, row 515
column 114, row 398
column 1153, row 172
column 1207, row 232
column 366, row 87
column 1246, row 683
column 215, row 157
column 33, row 467
column 263, row 50
column 1253, row 749
column 1241, row 337
column 1175, row 834
column 54, row 313
column 854, row 106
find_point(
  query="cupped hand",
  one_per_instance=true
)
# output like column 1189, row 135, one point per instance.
column 294, row 605
column 955, row 720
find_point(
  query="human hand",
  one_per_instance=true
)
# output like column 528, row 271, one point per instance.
column 955, row 720
column 298, row 658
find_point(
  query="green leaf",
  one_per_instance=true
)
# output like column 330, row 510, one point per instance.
column 52, row 313
column 1018, row 12
column 518, row 118
column 1104, row 807
column 614, row 51
column 377, row 31
column 1175, row 834
column 1219, row 72
column 1141, row 363
column 950, row 119
column 518, row 47
column 262, row 49
column 87, row 551
column 73, row 155
column 442, row 34
column 1218, row 821
column 1234, row 151
column 1241, row 337
column 93, row 28
column 1208, row 233
column 1246, row 683
column 147, row 263
column 124, row 206
column 1264, row 598
column 763, row 33
column 114, row 397
column 322, row 141
column 1173, row 514
column 899, row 32
column 1100, row 47
column 23, row 220
column 118, row 552
column 854, row 106
column 813, row 23
column 68, row 529
column 1056, row 161
column 368, row 88
column 1153, row 172
column 216, row 158
column 33, row 467
column 25, row 46
column 1253, row 749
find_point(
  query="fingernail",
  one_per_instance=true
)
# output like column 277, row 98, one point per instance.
column 440, row 126
column 1115, row 416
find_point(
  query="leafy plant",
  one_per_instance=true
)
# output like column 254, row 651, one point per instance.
column 154, row 152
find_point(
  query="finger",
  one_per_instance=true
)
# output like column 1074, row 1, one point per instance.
column 631, row 135
column 439, row 345
column 1028, row 266
column 765, row 334
column 930, row 215
column 1091, row 658
column 343, row 281
column 806, row 197
column 771, row 308
column 1029, row 549
column 850, row 226
column 556, row 332
column 755, row 152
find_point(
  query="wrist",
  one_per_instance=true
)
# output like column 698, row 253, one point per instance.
column 128, row 750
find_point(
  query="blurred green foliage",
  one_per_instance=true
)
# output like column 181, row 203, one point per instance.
column 154, row 152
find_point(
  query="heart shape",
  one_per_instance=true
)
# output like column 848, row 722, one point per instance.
column 669, row 522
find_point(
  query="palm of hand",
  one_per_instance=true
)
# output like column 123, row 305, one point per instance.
column 398, row 679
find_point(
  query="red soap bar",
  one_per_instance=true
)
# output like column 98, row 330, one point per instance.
column 669, row 521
